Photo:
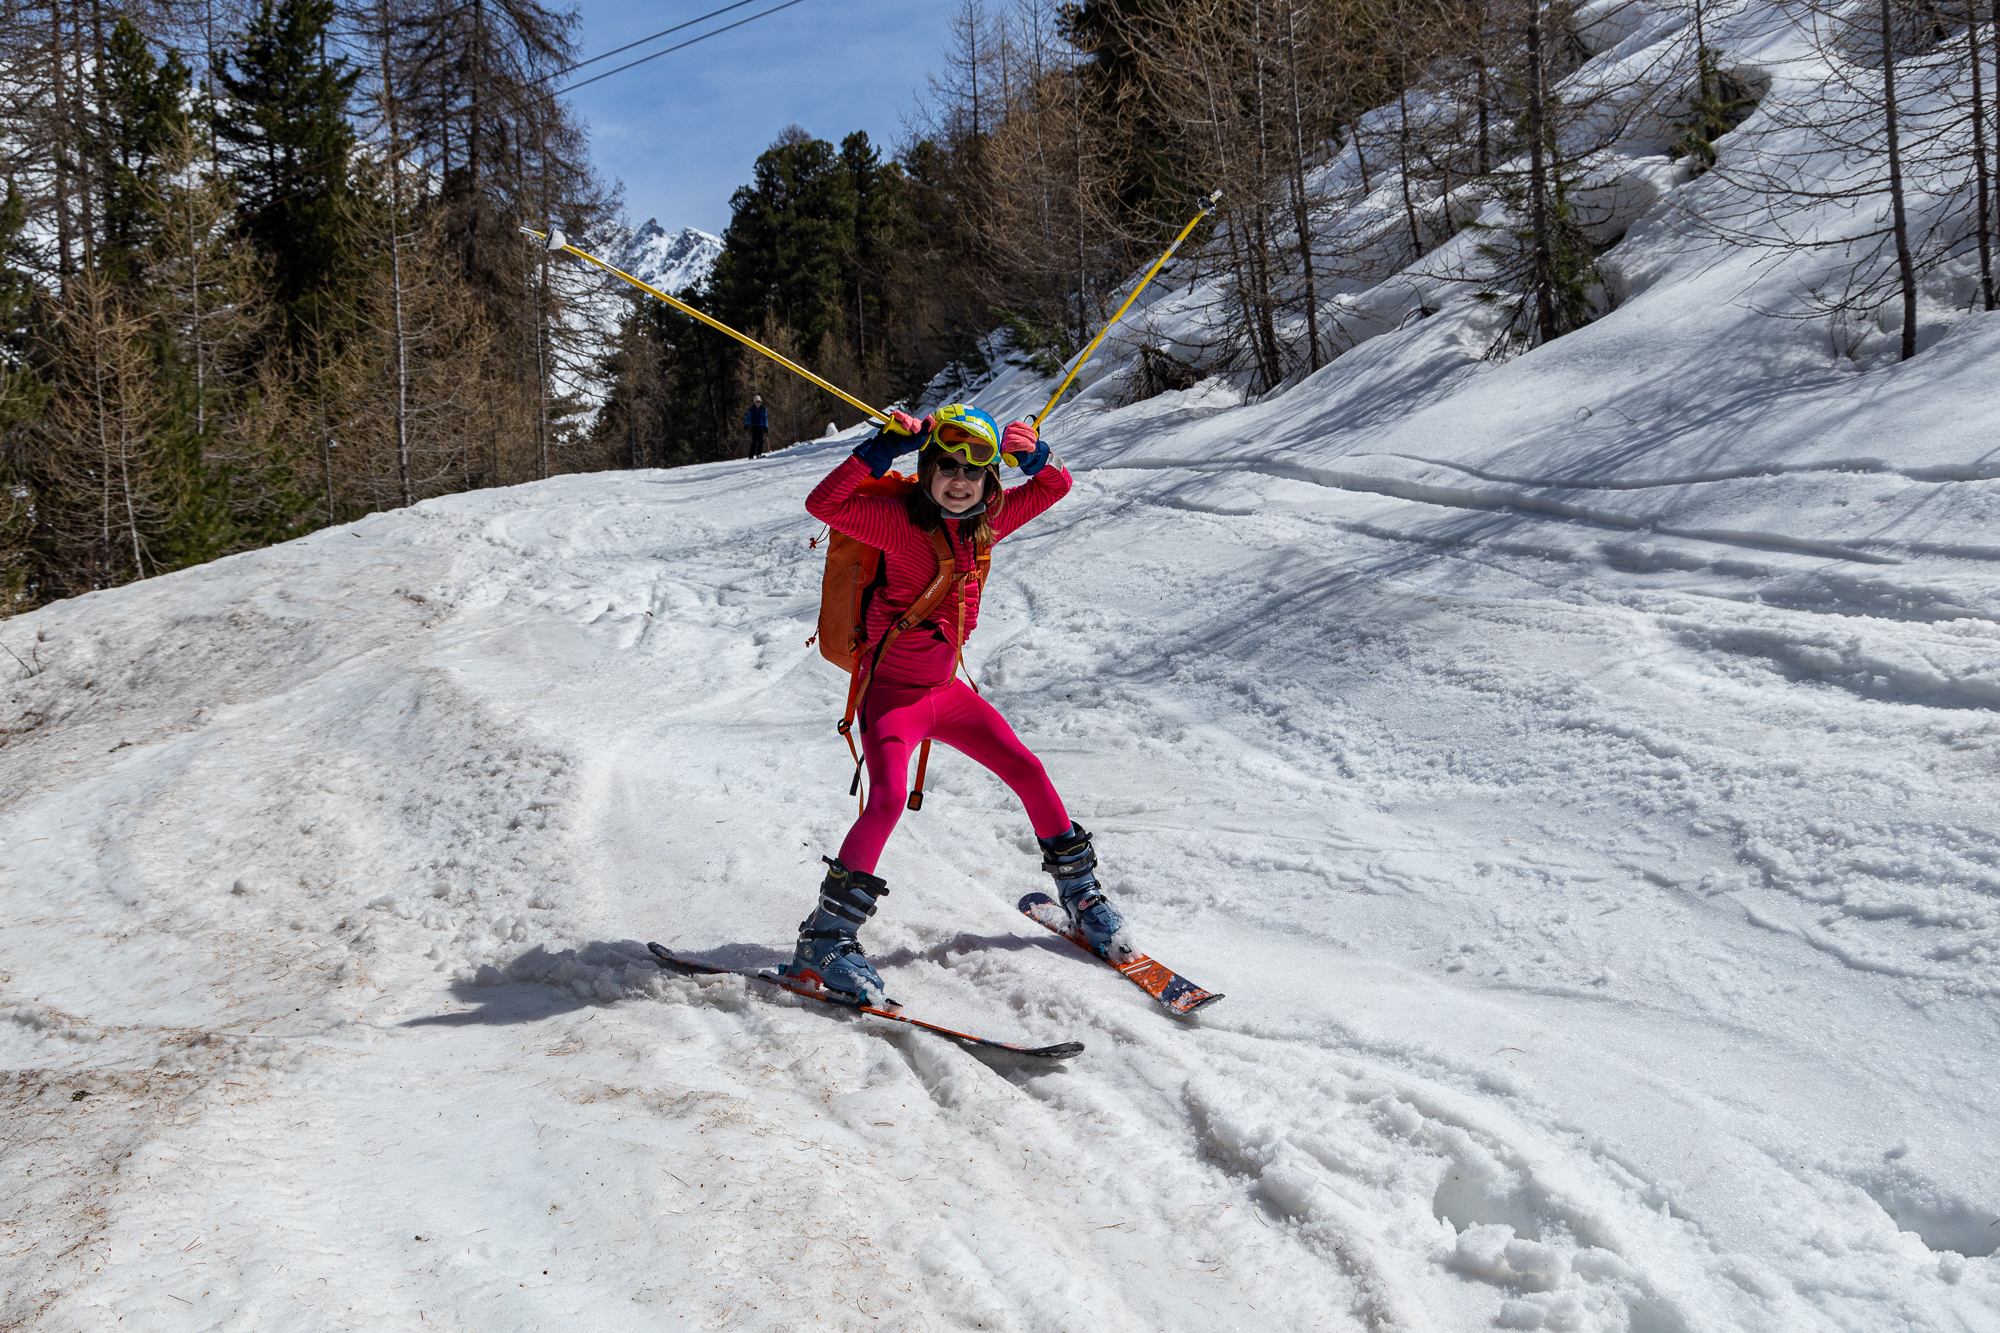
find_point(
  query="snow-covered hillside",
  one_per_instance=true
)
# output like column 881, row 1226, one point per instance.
column 597, row 303
column 672, row 261
column 1578, row 771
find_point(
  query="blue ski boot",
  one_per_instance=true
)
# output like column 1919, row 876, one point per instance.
column 829, row 957
column 1069, row 858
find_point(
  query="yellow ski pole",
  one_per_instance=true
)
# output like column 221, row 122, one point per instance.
column 1207, row 206
column 555, row 240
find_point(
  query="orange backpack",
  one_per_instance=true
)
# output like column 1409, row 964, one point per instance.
column 853, row 578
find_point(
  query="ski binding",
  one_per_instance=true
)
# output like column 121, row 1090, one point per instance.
column 1176, row 993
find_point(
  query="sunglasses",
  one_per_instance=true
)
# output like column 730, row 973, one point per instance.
column 982, row 451
column 951, row 467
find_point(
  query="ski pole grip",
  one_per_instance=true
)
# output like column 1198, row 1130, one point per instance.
column 553, row 239
column 556, row 240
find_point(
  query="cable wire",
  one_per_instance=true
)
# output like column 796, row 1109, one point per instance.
column 557, row 74
column 682, row 46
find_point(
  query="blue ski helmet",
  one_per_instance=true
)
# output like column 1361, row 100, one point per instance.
column 958, row 427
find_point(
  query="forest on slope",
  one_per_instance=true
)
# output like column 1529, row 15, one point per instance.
column 261, row 270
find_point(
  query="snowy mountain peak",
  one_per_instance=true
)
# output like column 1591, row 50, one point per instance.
column 672, row 261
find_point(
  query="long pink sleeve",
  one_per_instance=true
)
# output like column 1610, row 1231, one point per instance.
column 883, row 523
column 879, row 520
column 1030, row 498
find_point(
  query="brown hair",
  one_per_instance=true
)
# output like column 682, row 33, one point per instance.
column 924, row 510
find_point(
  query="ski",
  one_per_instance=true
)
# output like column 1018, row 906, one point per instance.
column 1174, row 991
column 668, row 962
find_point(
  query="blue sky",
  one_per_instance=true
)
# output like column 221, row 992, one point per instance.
column 682, row 131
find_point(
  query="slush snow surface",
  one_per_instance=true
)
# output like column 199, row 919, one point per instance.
column 1579, row 771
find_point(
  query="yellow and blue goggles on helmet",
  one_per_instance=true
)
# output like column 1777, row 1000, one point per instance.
column 966, row 430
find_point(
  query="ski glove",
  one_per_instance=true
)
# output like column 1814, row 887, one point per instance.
column 903, row 433
column 1030, row 451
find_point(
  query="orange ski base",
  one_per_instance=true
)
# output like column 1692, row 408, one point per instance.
column 1175, row 992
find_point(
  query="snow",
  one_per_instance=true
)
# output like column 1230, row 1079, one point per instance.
column 596, row 304
column 1578, row 771
column 670, row 261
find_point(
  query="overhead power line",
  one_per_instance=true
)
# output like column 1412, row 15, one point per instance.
column 557, row 74
column 323, row 165
column 681, row 46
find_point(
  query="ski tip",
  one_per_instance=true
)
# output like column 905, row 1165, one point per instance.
column 660, row 955
column 1033, row 901
column 1060, row 1051
column 1198, row 1004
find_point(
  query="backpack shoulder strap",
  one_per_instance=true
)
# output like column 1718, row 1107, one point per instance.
column 935, row 591
column 926, row 602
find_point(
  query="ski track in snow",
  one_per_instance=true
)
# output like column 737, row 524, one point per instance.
column 1578, row 772
column 1598, row 956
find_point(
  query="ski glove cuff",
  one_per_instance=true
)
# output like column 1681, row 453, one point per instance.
column 1030, row 451
column 881, row 449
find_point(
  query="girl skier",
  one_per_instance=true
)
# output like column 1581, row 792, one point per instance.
column 910, row 690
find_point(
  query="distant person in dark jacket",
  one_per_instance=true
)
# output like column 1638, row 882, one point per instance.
column 759, row 422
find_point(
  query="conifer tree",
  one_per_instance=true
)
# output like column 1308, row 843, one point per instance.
column 790, row 234
column 872, row 253
column 696, row 366
column 21, row 396
column 141, row 116
column 18, row 387
column 100, row 491
column 229, row 475
column 1151, row 175
column 407, row 390
column 283, row 133
column 492, row 148
column 637, row 420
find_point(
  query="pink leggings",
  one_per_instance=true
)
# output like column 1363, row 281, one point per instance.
column 898, row 719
